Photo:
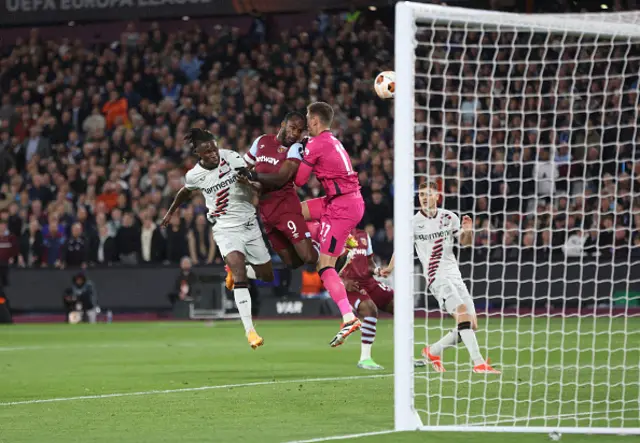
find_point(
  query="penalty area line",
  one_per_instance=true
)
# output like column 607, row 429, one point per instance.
column 344, row 437
column 201, row 388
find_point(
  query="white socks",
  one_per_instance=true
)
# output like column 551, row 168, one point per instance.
column 448, row 341
column 243, row 302
column 468, row 337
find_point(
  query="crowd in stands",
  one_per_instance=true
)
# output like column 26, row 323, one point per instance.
column 91, row 138
column 92, row 150
column 539, row 141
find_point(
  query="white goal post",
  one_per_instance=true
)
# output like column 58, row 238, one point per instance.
column 562, row 326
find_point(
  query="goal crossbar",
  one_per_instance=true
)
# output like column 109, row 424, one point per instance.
column 571, row 24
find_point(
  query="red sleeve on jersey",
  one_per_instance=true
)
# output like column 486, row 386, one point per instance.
column 302, row 176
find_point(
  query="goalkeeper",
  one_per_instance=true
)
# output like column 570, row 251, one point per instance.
column 434, row 233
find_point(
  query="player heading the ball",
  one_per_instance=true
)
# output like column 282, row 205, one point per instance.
column 434, row 234
column 334, row 216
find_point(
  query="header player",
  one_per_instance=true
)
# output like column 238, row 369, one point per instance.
column 366, row 295
column 434, row 233
column 336, row 214
column 279, row 206
column 236, row 229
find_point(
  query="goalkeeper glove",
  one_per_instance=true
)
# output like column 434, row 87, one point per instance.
column 250, row 175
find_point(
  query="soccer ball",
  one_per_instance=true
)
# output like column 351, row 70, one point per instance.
column 385, row 84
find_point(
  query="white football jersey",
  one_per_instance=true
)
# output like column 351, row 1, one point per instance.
column 228, row 201
column 434, row 239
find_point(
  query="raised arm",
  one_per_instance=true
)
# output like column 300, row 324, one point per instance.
column 286, row 172
column 303, row 174
column 466, row 231
column 289, row 169
column 183, row 196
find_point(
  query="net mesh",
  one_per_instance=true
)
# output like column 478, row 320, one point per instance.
column 534, row 134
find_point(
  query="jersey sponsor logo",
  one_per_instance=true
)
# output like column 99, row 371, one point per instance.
column 219, row 186
column 435, row 236
column 266, row 159
column 289, row 307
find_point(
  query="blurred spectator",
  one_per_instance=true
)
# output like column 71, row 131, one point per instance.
column 103, row 247
column 75, row 252
column 8, row 251
column 312, row 286
column 184, row 282
column 128, row 241
column 152, row 242
column 202, row 247
column 34, row 145
column 32, row 251
column 177, row 245
column 116, row 110
column 54, row 240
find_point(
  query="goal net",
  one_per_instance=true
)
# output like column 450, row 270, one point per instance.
column 529, row 124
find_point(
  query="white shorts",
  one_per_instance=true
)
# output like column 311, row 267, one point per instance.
column 451, row 293
column 246, row 239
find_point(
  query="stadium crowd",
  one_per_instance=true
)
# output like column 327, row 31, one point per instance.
column 92, row 151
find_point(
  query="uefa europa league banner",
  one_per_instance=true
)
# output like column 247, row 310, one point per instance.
column 26, row 12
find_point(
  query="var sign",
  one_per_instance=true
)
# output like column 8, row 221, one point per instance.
column 289, row 307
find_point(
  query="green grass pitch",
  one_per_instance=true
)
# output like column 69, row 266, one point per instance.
column 196, row 382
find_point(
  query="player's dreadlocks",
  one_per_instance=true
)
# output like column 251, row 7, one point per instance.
column 197, row 136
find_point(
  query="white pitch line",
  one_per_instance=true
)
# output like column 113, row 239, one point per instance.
column 553, row 417
column 343, row 437
column 185, row 344
column 201, row 388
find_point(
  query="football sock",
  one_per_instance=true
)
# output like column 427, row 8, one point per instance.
column 251, row 273
column 243, row 302
column 448, row 341
column 468, row 337
column 368, row 331
column 338, row 293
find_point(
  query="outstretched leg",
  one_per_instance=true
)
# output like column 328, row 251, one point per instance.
column 236, row 262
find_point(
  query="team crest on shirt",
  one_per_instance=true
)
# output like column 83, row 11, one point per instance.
column 281, row 149
column 363, row 241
